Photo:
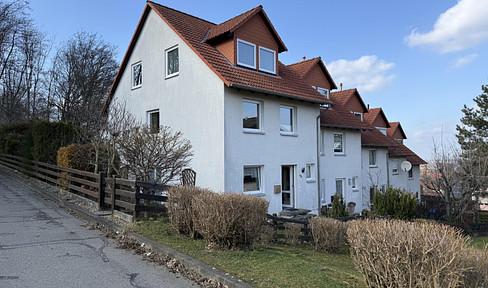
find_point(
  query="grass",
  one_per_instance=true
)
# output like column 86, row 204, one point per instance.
column 276, row 266
column 479, row 242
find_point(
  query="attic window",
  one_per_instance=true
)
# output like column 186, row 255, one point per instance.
column 136, row 75
column 323, row 91
column 267, row 59
column 172, row 62
column 359, row 115
column 246, row 54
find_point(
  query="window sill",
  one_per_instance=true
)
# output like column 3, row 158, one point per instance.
column 288, row 134
column 355, row 190
column 310, row 180
column 410, row 178
column 255, row 193
column 373, row 166
column 322, row 154
column 135, row 87
column 172, row 75
column 339, row 154
column 252, row 131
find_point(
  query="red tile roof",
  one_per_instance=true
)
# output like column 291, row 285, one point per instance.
column 192, row 31
column 403, row 151
column 304, row 67
column 343, row 97
column 394, row 126
column 373, row 114
column 338, row 117
column 416, row 160
column 374, row 137
column 233, row 24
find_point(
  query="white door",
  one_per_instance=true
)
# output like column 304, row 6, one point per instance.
column 287, row 186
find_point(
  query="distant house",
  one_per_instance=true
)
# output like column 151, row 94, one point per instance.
column 257, row 126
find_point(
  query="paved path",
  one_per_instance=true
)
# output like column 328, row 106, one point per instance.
column 43, row 246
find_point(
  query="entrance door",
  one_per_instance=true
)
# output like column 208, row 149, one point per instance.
column 287, row 186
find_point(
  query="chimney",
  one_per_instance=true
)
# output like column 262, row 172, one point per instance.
column 341, row 86
column 368, row 106
column 304, row 58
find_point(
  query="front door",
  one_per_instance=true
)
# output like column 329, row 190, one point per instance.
column 287, row 186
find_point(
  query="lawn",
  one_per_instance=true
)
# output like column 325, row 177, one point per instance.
column 479, row 242
column 276, row 266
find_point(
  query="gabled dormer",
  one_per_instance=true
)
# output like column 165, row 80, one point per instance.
column 315, row 74
column 377, row 118
column 352, row 102
column 248, row 40
column 396, row 132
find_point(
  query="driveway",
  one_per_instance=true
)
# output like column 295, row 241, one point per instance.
column 43, row 246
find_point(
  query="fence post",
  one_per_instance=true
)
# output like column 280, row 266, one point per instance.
column 101, row 190
column 136, row 200
column 113, row 193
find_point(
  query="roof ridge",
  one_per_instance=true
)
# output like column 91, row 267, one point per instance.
column 169, row 8
column 301, row 62
column 260, row 7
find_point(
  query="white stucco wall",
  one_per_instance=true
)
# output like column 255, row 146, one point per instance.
column 192, row 102
column 401, row 180
column 337, row 166
column 270, row 150
column 376, row 175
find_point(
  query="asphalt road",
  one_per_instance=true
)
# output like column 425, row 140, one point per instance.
column 43, row 246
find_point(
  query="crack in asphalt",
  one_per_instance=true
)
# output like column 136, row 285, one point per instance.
column 9, row 277
column 132, row 279
column 45, row 243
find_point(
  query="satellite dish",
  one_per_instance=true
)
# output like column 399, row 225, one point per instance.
column 406, row 166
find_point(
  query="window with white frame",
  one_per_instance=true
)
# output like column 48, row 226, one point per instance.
column 339, row 143
column 355, row 182
column 136, row 75
column 340, row 187
column 287, row 119
column 251, row 115
column 267, row 60
column 310, row 172
column 153, row 120
column 372, row 191
column 172, row 62
column 410, row 173
column 323, row 91
column 322, row 191
column 252, row 180
column 382, row 130
column 246, row 54
column 359, row 115
column 394, row 168
column 322, row 143
column 372, row 158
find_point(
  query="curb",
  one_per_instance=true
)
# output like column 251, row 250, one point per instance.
column 190, row 263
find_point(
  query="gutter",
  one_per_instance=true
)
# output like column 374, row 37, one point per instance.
column 276, row 94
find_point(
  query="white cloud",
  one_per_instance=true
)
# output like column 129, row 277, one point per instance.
column 463, row 61
column 367, row 73
column 462, row 26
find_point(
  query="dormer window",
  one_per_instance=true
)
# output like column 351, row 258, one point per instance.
column 382, row 130
column 323, row 91
column 267, row 59
column 246, row 54
column 359, row 115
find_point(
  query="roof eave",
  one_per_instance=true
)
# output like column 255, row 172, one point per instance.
column 253, row 89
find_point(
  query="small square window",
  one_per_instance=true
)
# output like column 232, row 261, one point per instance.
column 394, row 168
column 359, row 115
column 251, row 116
column 246, row 54
column 287, row 119
column 355, row 181
column 137, row 75
column 310, row 172
column 410, row 173
column 338, row 143
column 153, row 121
column 172, row 62
column 372, row 158
column 267, row 60
column 252, row 179
column 323, row 91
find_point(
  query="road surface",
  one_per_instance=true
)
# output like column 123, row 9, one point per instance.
column 43, row 246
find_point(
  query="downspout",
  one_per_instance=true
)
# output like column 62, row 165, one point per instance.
column 317, row 123
column 387, row 170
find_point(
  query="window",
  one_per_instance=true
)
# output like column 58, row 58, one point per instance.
column 323, row 91
column 153, row 121
column 394, row 168
column 137, row 75
column 322, row 191
column 251, row 116
column 359, row 115
column 172, row 62
column 322, row 143
column 410, row 173
column 355, row 182
column 372, row 158
column 382, row 130
column 340, row 187
column 267, row 59
column 287, row 119
column 372, row 191
column 400, row 141
column 252, row 179
column 310, row 172
column 246, row 54
column 338, row 143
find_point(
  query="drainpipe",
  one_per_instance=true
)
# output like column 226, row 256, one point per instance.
column 317, row 123
column 387, row 169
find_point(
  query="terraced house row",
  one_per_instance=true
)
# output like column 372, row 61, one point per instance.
column 258, row 126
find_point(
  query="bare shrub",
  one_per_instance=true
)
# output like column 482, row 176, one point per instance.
column 180, row 209
column 267, row 236
column 228, row 219
column 476, row 264
column 393, row 253
column 329, row 235
column 292, row 233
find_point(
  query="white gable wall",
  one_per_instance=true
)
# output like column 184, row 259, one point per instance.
column 270, row 150
column 373, row 176
column 401, row 180
column 192, row 102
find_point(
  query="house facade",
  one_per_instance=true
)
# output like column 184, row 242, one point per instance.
column 257, row 126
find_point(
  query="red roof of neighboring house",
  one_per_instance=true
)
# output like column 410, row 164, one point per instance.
column 338, row 117
column 373, row 115
column 374, row 137
column 344, row 97
column 192, row 31
column 416, row 160
column 304, row 67
column 233, row 24
column 396, row 126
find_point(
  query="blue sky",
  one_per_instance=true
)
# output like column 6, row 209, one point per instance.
column 421, row 61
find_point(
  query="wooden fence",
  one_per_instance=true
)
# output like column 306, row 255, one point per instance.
column 130, row 196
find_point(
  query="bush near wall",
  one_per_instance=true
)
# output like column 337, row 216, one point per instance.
column 338, row 209
column 228, row 219
column 48, row 137
column 16, row 139
column 329, row 235
column 394, row 202
column 75, row 156
column 394, row 253
column 180, row 208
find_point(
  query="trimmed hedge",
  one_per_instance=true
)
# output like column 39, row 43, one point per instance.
column 329, row 235
column 16, row 139
column 48, row 137
column 75, row 156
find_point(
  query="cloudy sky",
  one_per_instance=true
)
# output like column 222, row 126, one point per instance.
column 421, row 61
